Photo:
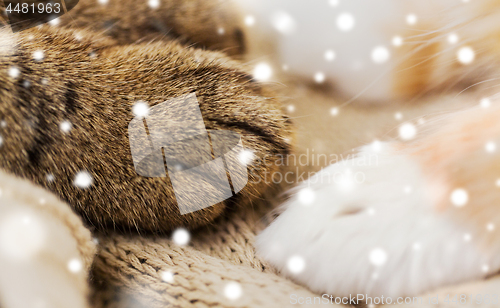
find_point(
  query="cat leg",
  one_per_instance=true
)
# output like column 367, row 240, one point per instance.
column 401, row 218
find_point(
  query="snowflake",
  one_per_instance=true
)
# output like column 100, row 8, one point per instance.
column 306, row 196
column 50, row 177
column 490, row 147
column 380, row 54
column 233, row 290
column 154, row 4
column 485, row 102
column 22, row 236
column 333, row 2
column 167, row 276
column 466, row 55
column 411, row 19
column 459, row 197
column 378, row 257
column 330, row 55
column 262, row 72
column 345, row 22
column 75, row 265
column 319, row 77
column 83, row 179
column 14, row 72
column 249, row 20
column 140, row 109
column 65, row 126
column 54, row 22
column 283, row 22
column 181, row 237
column 38, row 55
column 407, row 131
column 467, row 237
column 397, row 41
column 246, row 157
column 452, row 38
column 296, row 264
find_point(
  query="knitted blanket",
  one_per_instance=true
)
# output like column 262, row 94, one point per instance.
column 219, row 267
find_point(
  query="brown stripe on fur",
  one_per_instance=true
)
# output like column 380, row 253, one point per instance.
column 413, row 72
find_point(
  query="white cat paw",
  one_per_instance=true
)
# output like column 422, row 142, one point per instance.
column 368, row 226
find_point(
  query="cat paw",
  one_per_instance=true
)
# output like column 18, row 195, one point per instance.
column 370, row 226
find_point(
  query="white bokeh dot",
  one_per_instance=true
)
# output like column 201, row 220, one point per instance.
column 411, row 19
column 334, row 3
column 14, row 72
column 83, row 180
column 38, row 55
column 249, row 20
column 306, row 196
column 485, row 268
column 75, row 265
column 330, row 55
column 103, row 2
column 467, row 237
column 319, row 77
column 380, row 54
column 345, row 22
column 417, row 246
column 154, row 4
column 485, row 102
column 283, row 22
column 221, row 31
column 334, row 111
column 490, row 147
column 397, row 41
column 22, row 236
column 246, row 157
column 262, row 72
column 181, row 237
column 490, row 227
column 459, row 197
column 296, row 264
column 65, row 126
column 407, row 131
column 167, row 276
column 290, row 108
column 54, row 22
column 50, row 177
column 466, row 55
column 452, row 38
column 140, row 109
column 1, row 140
column 398, row 116
column 378, row 257
column 232, row 290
